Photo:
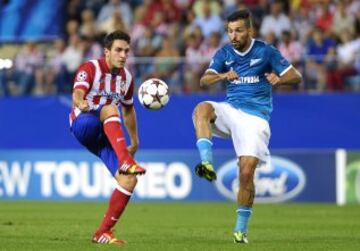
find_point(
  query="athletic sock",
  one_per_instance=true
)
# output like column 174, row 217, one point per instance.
column 118, row 201
column 243, row 215
column 115, row 135
column 204, row 146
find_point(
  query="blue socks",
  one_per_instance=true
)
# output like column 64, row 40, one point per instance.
column 204, row 146
column 243, row 215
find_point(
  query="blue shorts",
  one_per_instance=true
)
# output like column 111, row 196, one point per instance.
column 88, row 130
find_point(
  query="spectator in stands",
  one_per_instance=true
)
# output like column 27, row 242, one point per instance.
column 353, row 7
column 189, row 24
column 277, row 21
column 122, row 8
column 72, row 29
column 347, row 52
column 55, row 68
column 92, row 49
column 342, row 21
column 291, row 48
column 166, row 65
column 72, row 58
column 302, row 21
column 28, row 69
column 138, row 27
column 113, row 23
column 195, row 65
column 170, row 10
column 158, row 24
column 325, row 18
column 213, row 5
column 88, row 25
column 320, row 56
column 211, row 45
column 208, row 22
column 149, row 44
column 271, row 38
column 293, row 51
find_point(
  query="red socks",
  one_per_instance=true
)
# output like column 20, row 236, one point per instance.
column 118, row 201
column 115, row 135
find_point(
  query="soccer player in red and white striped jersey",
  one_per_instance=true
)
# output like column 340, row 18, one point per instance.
column 100, row 87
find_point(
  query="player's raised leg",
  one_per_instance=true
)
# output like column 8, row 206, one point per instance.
column 203, row 115
column 110, row 117
column 245, row 197
column 117, row 204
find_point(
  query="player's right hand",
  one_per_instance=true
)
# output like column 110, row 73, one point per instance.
column 231, row 75
column 83, row 106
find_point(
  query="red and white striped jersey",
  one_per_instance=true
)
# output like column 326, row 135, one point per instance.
column 103, row 87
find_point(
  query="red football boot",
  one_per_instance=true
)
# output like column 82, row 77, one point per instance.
column 107, row 238
column 129, row 166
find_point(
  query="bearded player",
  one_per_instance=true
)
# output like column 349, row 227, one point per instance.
column 250, row 68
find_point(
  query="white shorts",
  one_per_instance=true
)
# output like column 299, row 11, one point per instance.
column 250, row 134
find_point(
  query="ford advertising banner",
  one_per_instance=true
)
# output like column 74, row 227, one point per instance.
column 78, row 175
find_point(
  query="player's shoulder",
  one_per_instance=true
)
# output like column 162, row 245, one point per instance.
column 224, row 50
column 260, row 44
column 88, row 65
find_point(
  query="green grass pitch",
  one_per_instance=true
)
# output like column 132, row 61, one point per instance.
column 179, row 226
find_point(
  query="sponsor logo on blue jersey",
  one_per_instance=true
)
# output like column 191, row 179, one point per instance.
column 247, row 80
column 280, row 181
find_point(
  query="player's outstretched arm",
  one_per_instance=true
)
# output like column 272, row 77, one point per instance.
column 129, row 116
column 292, row 76
column 79, row 101
column 210, row 78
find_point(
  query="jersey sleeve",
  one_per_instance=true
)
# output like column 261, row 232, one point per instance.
column 217, row 63
column 84, row 77
column 128, row 99
column 278, row 63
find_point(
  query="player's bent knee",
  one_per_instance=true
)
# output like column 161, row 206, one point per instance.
column 203, row 110
column 108, row 110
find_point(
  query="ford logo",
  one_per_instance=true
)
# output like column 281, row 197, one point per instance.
column 280, row 181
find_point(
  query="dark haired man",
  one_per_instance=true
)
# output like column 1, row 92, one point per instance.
column 100, row 87
column 250, row 68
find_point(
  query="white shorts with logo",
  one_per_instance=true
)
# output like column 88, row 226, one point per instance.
column 250, row 134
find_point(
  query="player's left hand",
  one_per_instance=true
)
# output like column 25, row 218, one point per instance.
column 272, row 78
column 132, row 149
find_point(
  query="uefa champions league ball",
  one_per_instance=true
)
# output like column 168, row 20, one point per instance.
column 153, row 94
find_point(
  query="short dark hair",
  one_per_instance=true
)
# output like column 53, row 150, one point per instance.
column 115, row 35
column 242, row 14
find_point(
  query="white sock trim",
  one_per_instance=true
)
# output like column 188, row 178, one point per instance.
column 123, row 190
column 112, row 119
column 204, row 139
column 243, row 210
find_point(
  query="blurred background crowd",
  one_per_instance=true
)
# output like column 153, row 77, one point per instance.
column 175, row 39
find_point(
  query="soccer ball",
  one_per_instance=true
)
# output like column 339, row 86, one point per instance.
column 153, row 94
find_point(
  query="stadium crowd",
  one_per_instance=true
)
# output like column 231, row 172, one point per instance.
column 175, row 40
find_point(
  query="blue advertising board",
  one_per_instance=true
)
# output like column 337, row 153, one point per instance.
column 298, row 121
column 77, row 175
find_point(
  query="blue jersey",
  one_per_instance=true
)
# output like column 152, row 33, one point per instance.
column 251, row 93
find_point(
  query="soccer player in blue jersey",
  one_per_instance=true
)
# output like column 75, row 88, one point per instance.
column 250, row 69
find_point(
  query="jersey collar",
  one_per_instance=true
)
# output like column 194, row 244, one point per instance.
column 247, row 51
